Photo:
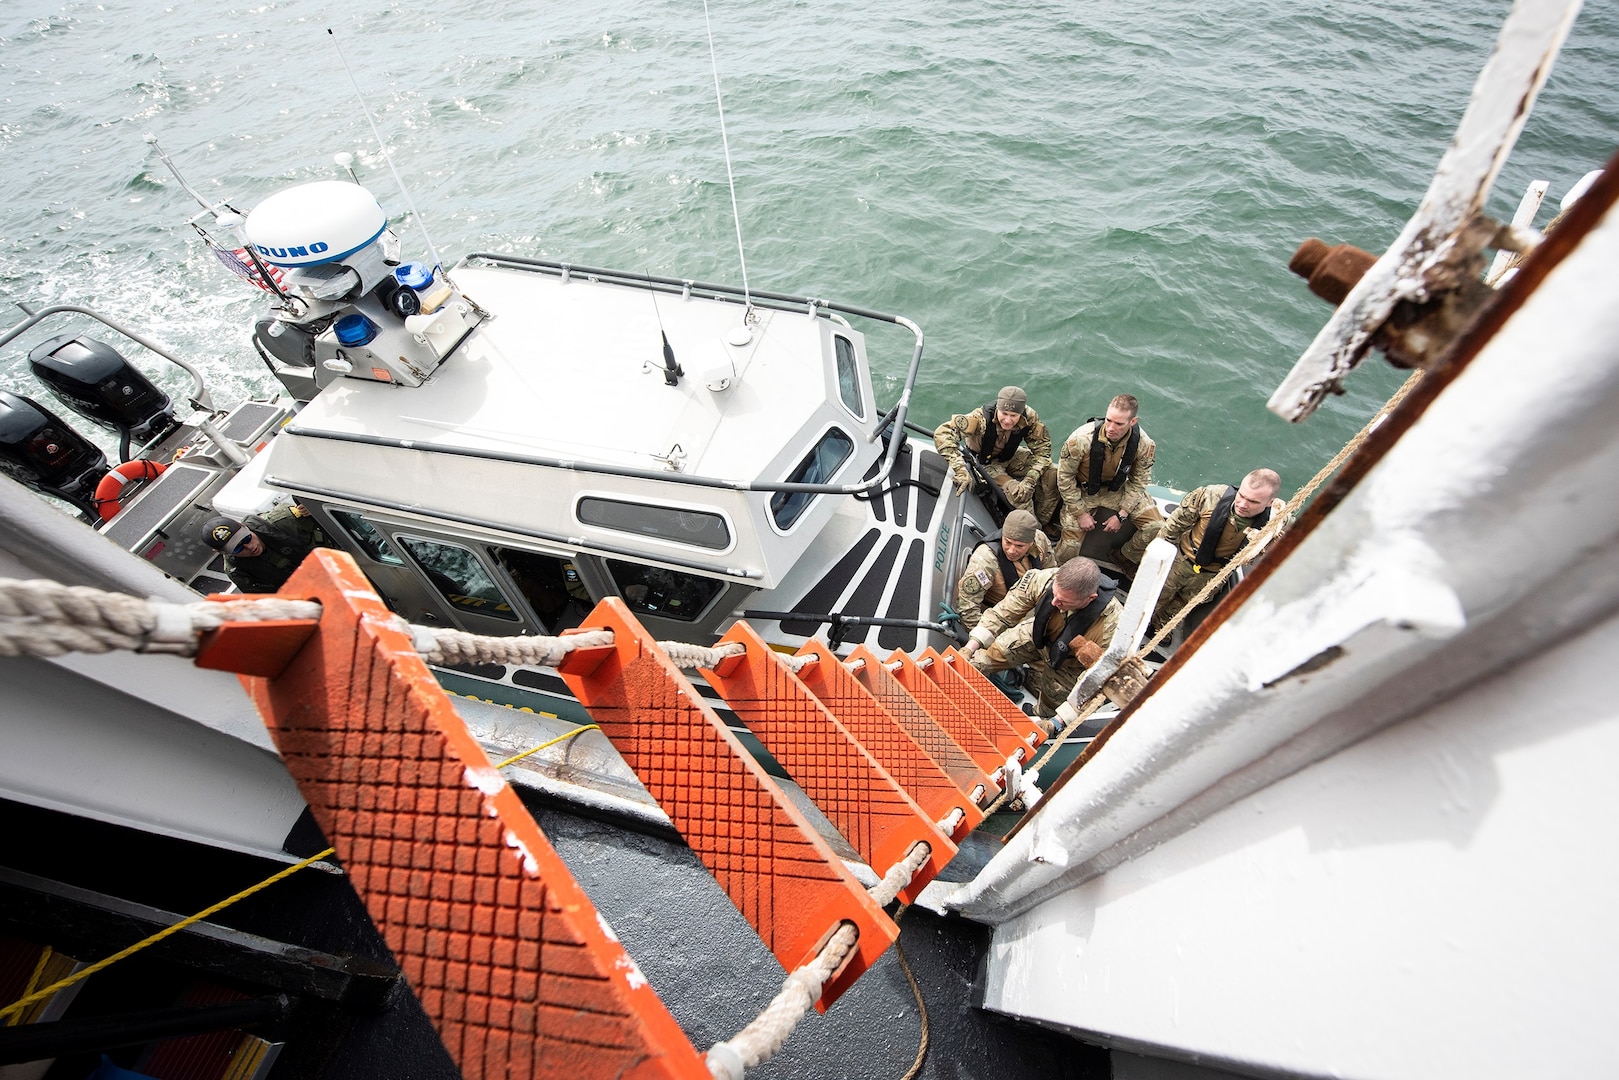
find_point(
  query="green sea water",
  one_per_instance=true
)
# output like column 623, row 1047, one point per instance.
column 1080, row 198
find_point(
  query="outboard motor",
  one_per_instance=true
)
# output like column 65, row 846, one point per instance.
column 95, row 381
column 39, row 449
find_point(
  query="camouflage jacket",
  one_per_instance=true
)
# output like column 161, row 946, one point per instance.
column 967, row 429
column 1074, row 469
column 982, row 584
column 1017, row 610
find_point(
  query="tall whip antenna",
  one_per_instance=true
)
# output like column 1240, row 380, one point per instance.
column 438, row 264
column 729, row 178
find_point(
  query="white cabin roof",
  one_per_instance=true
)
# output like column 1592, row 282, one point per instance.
column 574, row 370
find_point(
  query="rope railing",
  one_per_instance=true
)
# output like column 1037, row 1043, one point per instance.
column 46, row 618
column 1071, row 714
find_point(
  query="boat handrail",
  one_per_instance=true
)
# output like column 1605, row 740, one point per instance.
column 895, row 416
column 840, row 622
column 596, row 468
column 200, row 398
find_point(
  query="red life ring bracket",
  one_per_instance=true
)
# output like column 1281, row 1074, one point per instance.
column 113, row 487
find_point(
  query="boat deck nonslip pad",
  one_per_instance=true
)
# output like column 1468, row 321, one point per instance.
column 905, row 600
column 824, row 594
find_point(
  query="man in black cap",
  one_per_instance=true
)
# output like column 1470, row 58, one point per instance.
column 261, row 553
column 1014, row 447
column 997, row 562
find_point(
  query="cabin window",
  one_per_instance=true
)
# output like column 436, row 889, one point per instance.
column 457, row 574
column 367, row 537
column 698, row 528
column 668, row 594
column 821, row 464
column 550, row 584
column 849, row 377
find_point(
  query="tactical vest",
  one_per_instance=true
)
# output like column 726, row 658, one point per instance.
column 991, row 430
column 1075, row 625
column 1210, row 544
column 1009, row 570
column 1127, row 463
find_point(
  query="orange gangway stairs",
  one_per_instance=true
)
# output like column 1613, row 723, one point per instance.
column 509, row 958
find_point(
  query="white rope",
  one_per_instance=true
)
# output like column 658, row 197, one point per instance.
column 899, row 875
column 687, row 656
column 760, row 1040
column 47, row 618
column 441, row 646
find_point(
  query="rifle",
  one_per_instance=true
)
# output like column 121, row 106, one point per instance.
column 999, row 505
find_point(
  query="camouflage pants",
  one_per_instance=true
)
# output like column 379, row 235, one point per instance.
column 1036, row 494
column 1184, row 583
column 1145, row 517
column 1014, row 648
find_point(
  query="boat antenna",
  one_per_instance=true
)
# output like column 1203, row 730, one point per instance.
column 672, row 371
column 730, row 179
column 403, row 190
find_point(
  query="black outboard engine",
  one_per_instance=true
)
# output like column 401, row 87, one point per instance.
column 95, row 381
column 39, row 449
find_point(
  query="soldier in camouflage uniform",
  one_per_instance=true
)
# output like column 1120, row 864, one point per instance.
column 1102, row 477
column 262, row 553
column 998, row 562
column 1014, row 447
column 1057, row 621
column 1210, row 526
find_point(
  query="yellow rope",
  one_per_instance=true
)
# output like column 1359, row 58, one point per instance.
column 16, row 1007
column 84, row 973
column 33, row 980
column 551, row 742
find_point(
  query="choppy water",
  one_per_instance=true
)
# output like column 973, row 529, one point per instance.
column 1084, row 198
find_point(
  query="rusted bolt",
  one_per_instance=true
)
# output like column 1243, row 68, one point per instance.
column 1331, row 271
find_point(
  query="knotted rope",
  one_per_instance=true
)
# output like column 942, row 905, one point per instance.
column 47, row 618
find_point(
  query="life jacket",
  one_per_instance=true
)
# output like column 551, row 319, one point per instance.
column 1210, row 544
column 1075, row 625
column 1009, row 570
column 1127, row 464
column 991, row 430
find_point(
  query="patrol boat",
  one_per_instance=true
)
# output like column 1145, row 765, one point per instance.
column 502, row 442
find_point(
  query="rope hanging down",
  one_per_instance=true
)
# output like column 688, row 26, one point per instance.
column 1071, row 714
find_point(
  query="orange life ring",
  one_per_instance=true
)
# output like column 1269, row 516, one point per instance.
column 111, row 489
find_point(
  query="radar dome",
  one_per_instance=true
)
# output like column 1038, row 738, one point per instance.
column 315, row 223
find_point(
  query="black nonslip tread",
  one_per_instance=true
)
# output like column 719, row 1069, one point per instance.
column 825, row 592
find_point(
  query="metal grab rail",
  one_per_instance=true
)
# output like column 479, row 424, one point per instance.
column 841, row 622
column 200, row 397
